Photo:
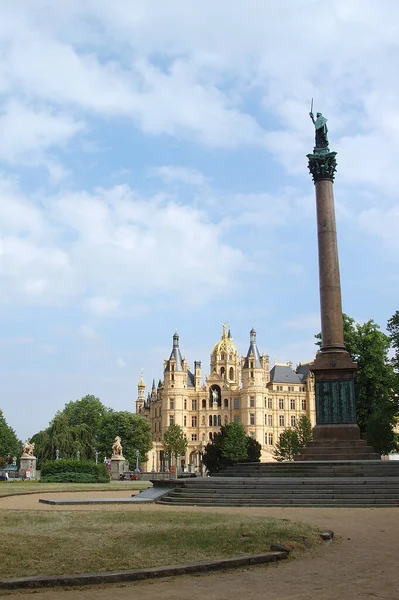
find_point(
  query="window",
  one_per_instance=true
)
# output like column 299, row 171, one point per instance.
column 270, row 403
column 171, row 404
column 219, row 420
column 171, row 419
column 236, row 403
column 281, row 420
column 172, row 377
column 252, row 364
column 193, row 405
column 252, row 401
column 231, row 373
column 172, row 366
column 226, row 419
column 204, row 404
column 193, row 437
column 303, row 404
column 210, row 420
column 279, row 388
column 292, row 404
column 252, row 419
column 270, row 439
column 210, row 435
column 281, row 404
column 265, row 419
column 194, row 421
column 185, row 404
column 293, row 420
column 215, row 421
column 185, row 421
column 226, row 403
column 236, row 418
column 270, row 420
column 203, row 420
column 222, row 356
column 222, row 372
column 252, row 374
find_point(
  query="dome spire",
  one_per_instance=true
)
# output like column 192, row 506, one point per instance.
column 141, row 383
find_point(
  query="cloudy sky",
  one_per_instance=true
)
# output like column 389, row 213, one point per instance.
column 153, row 176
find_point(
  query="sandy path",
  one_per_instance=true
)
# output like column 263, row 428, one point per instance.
column 361, row 563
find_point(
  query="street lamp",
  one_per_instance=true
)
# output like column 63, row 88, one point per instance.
column 178, row 465
column 96, row 454
column 57, row 454
column 137, row 460
column 153, row 462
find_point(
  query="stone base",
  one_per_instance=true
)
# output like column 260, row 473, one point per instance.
column 337, row 442
column 27, row 467
column 118, row 466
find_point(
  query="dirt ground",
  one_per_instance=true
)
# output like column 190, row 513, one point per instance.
column 362, row 561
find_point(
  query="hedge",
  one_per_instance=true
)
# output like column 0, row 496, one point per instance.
column 73, row 471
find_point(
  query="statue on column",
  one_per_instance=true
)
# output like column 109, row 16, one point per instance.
column 28, row 448
column 117, row 447
column 320, row 124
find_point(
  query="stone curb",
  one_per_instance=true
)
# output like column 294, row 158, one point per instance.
column 138, row 574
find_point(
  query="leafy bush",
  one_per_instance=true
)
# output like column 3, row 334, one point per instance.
column 73, row 471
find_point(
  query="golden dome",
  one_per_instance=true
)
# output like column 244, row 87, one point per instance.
column 225, row 345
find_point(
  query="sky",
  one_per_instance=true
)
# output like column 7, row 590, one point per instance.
column 153, row 177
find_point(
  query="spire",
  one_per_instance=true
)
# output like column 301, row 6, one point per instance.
column 224, row 333
column 253, row 352
column 141, row 383
column 229, row 333
column 153, row 385
column 175, row 354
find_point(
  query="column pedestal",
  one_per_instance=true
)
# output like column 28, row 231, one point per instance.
column 118, row 466
column 27, row 467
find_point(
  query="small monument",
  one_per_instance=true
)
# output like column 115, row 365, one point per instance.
column 118, row 462
column 27, row 469
column 336, row 435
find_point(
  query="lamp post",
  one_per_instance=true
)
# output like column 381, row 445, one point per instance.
column 137, row 460
column 153, row 462
column 178, row 465
column 96, row 455
column 57, row 454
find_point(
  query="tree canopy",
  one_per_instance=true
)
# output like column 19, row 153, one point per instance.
column 9, row 443
column 174, row 442
column 230, row 446
column 134, row 431
column 292, row 439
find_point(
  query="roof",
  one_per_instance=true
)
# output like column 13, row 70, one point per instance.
column 190, row 379
column 176, row 355
column 281, row 374
column 225, row 344
column 303, row 370
column 253, row 352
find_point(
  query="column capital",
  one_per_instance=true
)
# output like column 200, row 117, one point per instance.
column 322, row 165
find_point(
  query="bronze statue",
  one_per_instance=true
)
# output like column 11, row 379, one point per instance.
column 320, row 124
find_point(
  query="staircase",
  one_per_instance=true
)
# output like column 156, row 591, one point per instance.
column 332, row 483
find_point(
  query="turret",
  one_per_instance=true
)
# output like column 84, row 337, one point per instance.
column 140, row 395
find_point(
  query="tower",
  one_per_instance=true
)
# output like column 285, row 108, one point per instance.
column 140, row 394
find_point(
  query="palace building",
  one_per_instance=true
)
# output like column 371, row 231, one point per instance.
column 243, row 390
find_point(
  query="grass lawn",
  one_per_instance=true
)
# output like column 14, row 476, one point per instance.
column 14, row 488
column 45, row 543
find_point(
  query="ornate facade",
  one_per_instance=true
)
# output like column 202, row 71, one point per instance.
column 244, row 390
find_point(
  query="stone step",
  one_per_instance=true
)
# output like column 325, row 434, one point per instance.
column 287, row 496
column 290, row 490
column 363, row 502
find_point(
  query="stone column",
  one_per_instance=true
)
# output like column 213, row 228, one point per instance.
column 336, row 430
column 117, row 466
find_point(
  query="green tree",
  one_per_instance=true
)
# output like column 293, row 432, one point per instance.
column 89, row 410
column 134, row 431
column 393, row 330
column 287, row 446
column 303, row 429
column 228, row 447
column 9, row 443
column 174, row 442
column 376, row 383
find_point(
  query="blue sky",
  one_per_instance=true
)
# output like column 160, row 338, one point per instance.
column 153, row 176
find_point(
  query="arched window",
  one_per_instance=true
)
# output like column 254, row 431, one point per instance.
column 210, row 435
column 215, row 421
column 222, row 356
column 204, row 404
column 226, row 403
column 219, row 420
column 210, row 420
column 231, row 374
column 222, row 371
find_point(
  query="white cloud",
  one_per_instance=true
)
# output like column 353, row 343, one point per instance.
column 111, row 248
column 171, row 174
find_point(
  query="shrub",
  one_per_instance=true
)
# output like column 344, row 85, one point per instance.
column 73, row 471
